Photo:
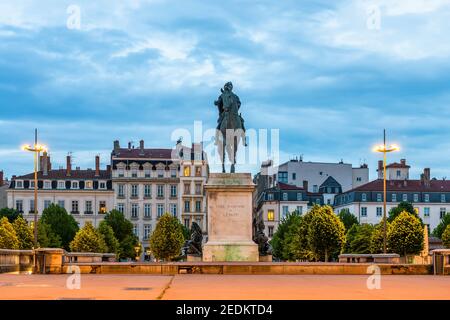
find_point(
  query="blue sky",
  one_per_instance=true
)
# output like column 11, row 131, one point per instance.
column 315, row 70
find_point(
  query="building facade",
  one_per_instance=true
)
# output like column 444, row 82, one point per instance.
column 430, row 197
column 86, row 194
column 4, row 185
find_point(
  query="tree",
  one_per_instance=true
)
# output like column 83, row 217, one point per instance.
column 61, row 223
column 347, row 218
column 111, row 242
column 406, row 234
column 403, row 206
column 186, row 233
column 291, row 248
column 24, row 233
column 9, row 213
column 360, row 241
column 326, row 235
column 8, row 237
column 123, row 231
column 441, row 227
column 278, row 238
column 350, row 236
column 46, row 237
column 377, row 238
column 167, row 239
column 446, row 237
column 87, row 239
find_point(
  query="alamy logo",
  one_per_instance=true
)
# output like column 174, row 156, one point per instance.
column 73, row 282
column 74, row 18
column 374, row 281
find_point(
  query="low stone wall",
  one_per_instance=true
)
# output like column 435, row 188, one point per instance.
column 248, row 268
column 16, row 260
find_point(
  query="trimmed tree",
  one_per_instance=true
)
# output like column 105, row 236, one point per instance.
column 87, row 239
column 278, row 240
column 8, row 237
column 377, row 238
column 167, row 239
column 24, row 233
column 326, row 235
column 406, row 234
column 441, row 227
column 11, row 214
column 46, row 237
column 402, row 206
column 111, row 242
column 61, row 223
column 123, row 231
column 347, row 218
column 291, row 246
column 360, row 242
column 446, row 237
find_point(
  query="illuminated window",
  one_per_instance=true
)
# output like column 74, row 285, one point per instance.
column 198, row 171
column 187, row 171
column 270, row 215
column 88, row 185
column 102, row 208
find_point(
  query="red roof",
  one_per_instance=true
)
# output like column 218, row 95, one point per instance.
column 398, row 165
column 148, row 153
column 285, row 186
column 406, row 185
column 61, row 174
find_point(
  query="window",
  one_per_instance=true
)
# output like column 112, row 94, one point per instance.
column 364, row 197
column 198, row 171
column 173, row 190
column 318, row 201
column 121, row 173
column 88, row 207
column 136, row 230
column 426, row 212
column 427, row 197
column 270, row 196
column 159, row 210
column 270, row 215
column 187, row 206
column 283, row 177
column 173, row 209
column 394, row 197
column 187, row 222
column 121, row 207
column 405, row 197
column 198, row 206
column 61, row 184
column 134, row 210
column 315, row 188
column 294, row 176
column 75, row 185
column 299, row 196
column 134, row 190
column 147, row 211
column 363, row 211
column 31, row 185
column 134, row 173
column 147, row 231
column 187, row 171
column 399, row 173
column 187, row 188
column 416, row 197
column 61, row 203
column 442, row 213
column 285, row 196
column 270, row 231
column 443, row 198
column 160, row 191
column 121, row 190
column 102, row 185
column 32, row 205
column 47, row 184
column 300, row 210
column 198, row 188
column 197, row 156
column 147, row 173
column 173, row 173
column 160, row 173
column 148, row 191
column 328, row 201
column 379, row 197
column 102, row 207
column 19, row 206
column 379, row 211
column 358, row 179
column 19, row 184
column 75, row 206
column 47, row 203
column 285, row 211
column 88, row 185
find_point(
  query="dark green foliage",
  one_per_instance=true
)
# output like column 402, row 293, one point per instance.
column 406, row 234
column 11, row 214
column 24, row 233
column 439, row 230
column 402, row 206
column 123, row 231
column 359, row 241
column 46, row 237
column 277, row 241
column 446, row 237
column 167, row 239
column 377, row 238
column 347, row 219
column 88, row 239
column 111, row 242
column 61, row 223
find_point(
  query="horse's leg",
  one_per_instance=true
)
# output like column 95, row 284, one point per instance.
column 223, row 155
column 233, row 151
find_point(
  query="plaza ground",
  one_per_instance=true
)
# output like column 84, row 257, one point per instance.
column 233, row 287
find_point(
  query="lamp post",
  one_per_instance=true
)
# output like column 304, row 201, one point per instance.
column 385, row 149
column 37, row 149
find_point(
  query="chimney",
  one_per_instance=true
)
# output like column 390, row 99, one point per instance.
column 426, row 176
column 129, row 145
column 116, row 146
column 305, row 185
column 68, row 166
column 1, row 178
column 403, row 162
column 97, row 166
column 44, row 162
column 108, row 168
column 380, row 169
column 141, row 147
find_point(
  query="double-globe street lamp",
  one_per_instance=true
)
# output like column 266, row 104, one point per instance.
column 37, row 149
column 385, row 149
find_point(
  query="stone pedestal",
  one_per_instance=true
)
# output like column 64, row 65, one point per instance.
column 230, row 207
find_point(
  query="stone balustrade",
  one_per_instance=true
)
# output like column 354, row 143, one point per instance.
column 390, row 258
column 16, row 260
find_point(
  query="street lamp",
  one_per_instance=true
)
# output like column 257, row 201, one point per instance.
column 385, row 149
column 37, row 149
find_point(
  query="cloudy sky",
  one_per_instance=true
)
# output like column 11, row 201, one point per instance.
column 330, row 75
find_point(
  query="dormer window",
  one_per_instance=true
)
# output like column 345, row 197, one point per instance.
column 299, row 196
column 134, row 173
column 88, row 185
column 121, row 173
column 31, row 184
column 102, row 185
column 19, row 184
column 285, row 196
column 147, row 173
column 364, row 197
column 61, row 184
column 75, row 185
column 427, row 197
column 270, row 196
column 47, row 184
column 173, row 173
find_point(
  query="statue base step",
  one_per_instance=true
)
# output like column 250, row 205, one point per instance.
column 230, row 251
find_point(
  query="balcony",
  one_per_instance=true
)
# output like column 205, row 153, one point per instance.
column 75, row 212
column 89, row 212
column 134, row 217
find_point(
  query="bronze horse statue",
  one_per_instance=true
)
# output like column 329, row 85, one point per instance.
column 230, row 129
